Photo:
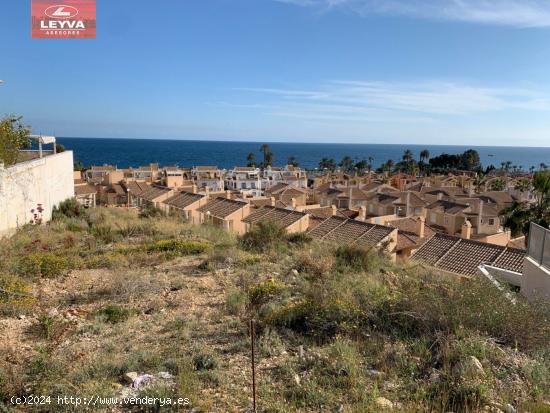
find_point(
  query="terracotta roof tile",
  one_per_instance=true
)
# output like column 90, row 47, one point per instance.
column 183, row 199
column 222, row 207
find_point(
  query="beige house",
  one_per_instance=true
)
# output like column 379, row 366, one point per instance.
column 291, row 221
column 185, row 205
column 154, row 196
column 225, row 213
column 288, row 195
column 210, row 177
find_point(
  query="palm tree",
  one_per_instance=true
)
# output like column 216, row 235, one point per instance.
column 424, row 155
column 479, row 181
column 518, row 216
column 265, row 149
column 346, row 163
column 251, row 160
column 292, row 161
column 407, row 156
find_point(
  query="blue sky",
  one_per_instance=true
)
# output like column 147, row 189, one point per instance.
column 363, row 71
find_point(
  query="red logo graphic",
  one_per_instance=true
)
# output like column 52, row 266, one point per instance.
column 63, row 19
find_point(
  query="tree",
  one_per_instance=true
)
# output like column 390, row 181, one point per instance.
column 268, row 155
column 59, row 148
column 407, row 156
column 14, row 136
column 518, row 216
column 498, row 185
column 424, row 155
column 470, row 161
column 251, row 160
column 292, row 161
column 362, row 165
column 480, row 181
column 346, row 163
column 327, row 163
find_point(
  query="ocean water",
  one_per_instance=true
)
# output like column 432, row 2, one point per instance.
column 225, row 154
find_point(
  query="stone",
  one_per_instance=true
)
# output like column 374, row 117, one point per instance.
column 375, row 373
column 508, row 408
column 383, row 403
column 164, row 375
column 294, row 272
column 130, row 377
column 297, row 379
column 469, row 367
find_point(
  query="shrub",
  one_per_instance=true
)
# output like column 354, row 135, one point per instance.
column 114, row 314
column 263, row 237
column 355, row 258
column 51, row 328
column 150, row 211
column 14, row 295
column 69, row 208
column 45, row 264
column 179, row 247
column 299, row 238
column 105, row 233
column 203, row 361
column 262, row 292
column 236, row 302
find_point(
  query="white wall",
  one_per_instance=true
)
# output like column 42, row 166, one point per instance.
column 536, row 280
column 46, row 181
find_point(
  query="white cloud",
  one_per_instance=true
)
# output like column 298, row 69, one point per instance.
column 360, row 101
column 517, row 13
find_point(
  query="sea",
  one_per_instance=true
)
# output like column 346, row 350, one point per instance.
column 227, row 154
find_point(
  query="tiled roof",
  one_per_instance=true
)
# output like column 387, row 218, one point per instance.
column 283, row 217
column 322, row 212
column 448, row 207
column 183, row 199
column 84, row 189
column 118, row 189
column 153, row 193
column 222, row 207
column 260, row 202
column 463, row 256
column 348, row 231
column 136, row 188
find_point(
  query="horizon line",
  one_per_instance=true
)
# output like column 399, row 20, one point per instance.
column 297, row 142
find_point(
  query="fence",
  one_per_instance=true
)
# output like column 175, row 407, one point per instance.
column 539, row 245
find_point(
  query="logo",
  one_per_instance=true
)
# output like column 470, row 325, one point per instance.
column 72, row 19
column 61, row 12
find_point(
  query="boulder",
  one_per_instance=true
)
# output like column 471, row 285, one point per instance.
column 469, row 368
column 383, row 403
column 130, row 377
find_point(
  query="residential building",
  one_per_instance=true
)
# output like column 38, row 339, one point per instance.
column 225, row 213
column 210, row 177
column 248, row 180
column 291, row 221
column 185, row 205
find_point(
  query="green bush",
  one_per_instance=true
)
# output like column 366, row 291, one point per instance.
column 105, row 233
column 69, row 208
column 299, row 238
column 179, row 247
column 44, row 264
column 263, row 237
column 355, row 258
column 260, row 293
column 114, row 314
column 203, row 361
column 236, row 302
column 150, row 211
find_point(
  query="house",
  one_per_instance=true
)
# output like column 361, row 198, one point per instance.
column 402, row 204
column 208, row 177
column 291, row 221
column 464, row 257
column 288, row 195
column 85, row 193
column 291, row 175
column 225, row 213
column 133, row 190
column 149, row 173
column 186, row 205
column 245, row 179
column 153, row 196
column 98, row 174
column 346, row 231
column 112, row 195
column 174, row 177
column 412, row 234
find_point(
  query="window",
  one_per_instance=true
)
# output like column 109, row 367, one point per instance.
column 446, row 220
column 491, row 221
column 433, row 218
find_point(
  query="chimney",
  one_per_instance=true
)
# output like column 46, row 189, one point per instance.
column 466, row 230
column 334, row 210
column 421, row 226
column 362, row 213
column 480, row 216
column 228, row 194
column 272, row 199
column 207, row 190
column 439, row 196
column 407, row 208
column 194, row 188
column 293, row 203
column 350, row 203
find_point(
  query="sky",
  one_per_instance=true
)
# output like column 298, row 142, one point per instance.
column 473, row 72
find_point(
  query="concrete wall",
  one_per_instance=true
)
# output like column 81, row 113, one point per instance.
column 46, row 181
column 536, row 280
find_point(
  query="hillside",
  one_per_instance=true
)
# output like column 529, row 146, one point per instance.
column 98, row 298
